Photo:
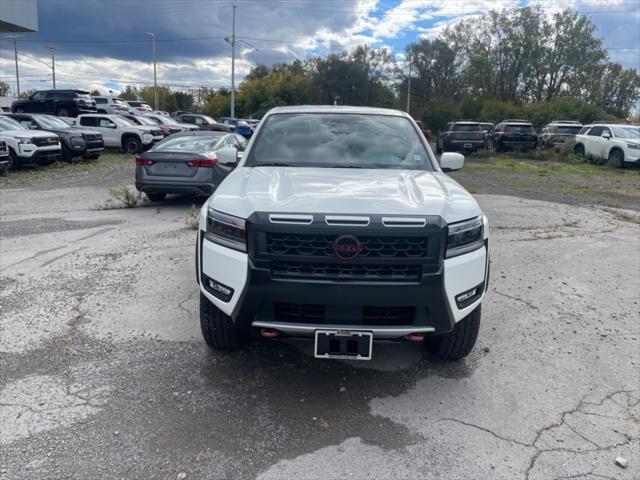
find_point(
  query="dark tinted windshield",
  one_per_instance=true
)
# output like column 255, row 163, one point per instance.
column 195, row 143
column 519, row 128
column 466, row 127
column 565, row 129
column 339, row 140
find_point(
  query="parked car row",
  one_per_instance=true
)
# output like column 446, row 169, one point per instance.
column 44, row 139
column 71, row 103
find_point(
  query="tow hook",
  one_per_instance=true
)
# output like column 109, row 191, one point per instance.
column 415, row 337
column 269, row 332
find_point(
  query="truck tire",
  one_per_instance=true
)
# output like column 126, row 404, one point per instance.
column 616, row 158
column 217, row 327
column 579, row 150
column 67, row 154
column 62, row 111
column 13, row 160
column 457, row 343
column 131, row 145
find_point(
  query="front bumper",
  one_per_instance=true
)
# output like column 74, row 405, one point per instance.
column 42, row 156
column 256, row 295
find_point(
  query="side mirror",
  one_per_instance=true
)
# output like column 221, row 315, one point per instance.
column 227, row 156
column 450, row 161
column 606, row 135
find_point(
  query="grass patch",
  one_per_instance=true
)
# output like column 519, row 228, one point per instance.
column 122, row 197
column 192, row 219
column 24, row 176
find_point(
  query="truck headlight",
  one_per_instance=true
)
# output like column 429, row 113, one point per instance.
column 226, row 230
column 464, row 237
column 25, row 141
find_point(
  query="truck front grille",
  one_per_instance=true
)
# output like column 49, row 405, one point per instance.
column 45, row 141
column 322, row 246
column 346, row 271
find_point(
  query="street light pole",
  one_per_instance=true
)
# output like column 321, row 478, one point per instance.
column 409, row 86
column 155, row 70
column 15, row 54
column 53, row 64
column 233, row 60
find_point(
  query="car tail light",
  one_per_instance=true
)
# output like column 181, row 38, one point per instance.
column 203, row 162
column 143, row 161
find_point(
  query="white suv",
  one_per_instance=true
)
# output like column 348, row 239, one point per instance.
column 118, row 132
column 111, row 105
column 28, row 146
column 616, row 143
column 339, row 225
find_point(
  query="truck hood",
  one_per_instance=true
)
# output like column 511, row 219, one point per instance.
column 343, row 191
column 26, row 133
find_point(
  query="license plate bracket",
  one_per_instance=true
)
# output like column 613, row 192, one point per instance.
column 343, row 344
column 467, row 145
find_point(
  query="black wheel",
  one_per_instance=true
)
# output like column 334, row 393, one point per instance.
column 13, row 160
column 67, row 155
column 438, row 148
column 579, row 150
column 4, row 169
column 156, row 197
column 62, row 112
column 217, row 328
column 132, row 145
column 457, row 343
column 497, row 147
column 616, row 158
column 19, row 110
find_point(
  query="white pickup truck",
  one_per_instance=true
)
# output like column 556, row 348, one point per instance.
column 339, row 225
column 28, row 146
column 619, row 144
column 118, row 132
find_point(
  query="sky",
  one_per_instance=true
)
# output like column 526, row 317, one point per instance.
column 101, row 44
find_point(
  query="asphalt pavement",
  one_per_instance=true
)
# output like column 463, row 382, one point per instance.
column 104, row 373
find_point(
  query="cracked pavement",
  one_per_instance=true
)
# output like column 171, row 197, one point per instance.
column 103, row 372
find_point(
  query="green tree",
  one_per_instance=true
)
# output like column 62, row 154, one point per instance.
column 129, row 93
column 4, row 89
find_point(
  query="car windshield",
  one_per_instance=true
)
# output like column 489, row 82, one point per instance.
column 134, row 104
column 208, row 119
column 117, row 101
column 123, row 122
column 195, row 143
column 466, row 127
column 626, row 132
column 337, row 140
column 50, row 121
column 145, row 121
column 7, row 123
column 84, row 96
column 519, row 128
column 166, row 120
column 566, row 129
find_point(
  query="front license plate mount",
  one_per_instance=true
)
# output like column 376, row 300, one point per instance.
column 467, row 145
column 343, row 344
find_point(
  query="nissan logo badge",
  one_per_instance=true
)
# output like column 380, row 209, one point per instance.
column 346, row 247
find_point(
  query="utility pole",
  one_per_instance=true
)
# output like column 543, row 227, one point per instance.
column 233, row 60
column 15, row 54
column 409, row 86
column 155, row 70
column 53, row 63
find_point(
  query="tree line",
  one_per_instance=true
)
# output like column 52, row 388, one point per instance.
column 518, row 62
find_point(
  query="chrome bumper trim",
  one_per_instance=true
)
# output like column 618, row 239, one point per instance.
column 307, row 329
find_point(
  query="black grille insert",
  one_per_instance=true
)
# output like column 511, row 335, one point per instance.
column 346, row 271
column 371, row 316
column 45, row 141
column 322, row 246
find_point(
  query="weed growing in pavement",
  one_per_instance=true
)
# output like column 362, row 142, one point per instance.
column 125, row 197
column 192, row 219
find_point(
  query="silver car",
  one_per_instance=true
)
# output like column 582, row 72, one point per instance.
column 188, row 163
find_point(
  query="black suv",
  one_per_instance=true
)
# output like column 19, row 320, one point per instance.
column 513, row 135
column 461, row 137
column 64, row 103
column 75, row 141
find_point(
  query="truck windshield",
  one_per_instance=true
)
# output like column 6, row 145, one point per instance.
column 10, row 124
column 466, row 127
column 50, row 121
column 339, row 140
